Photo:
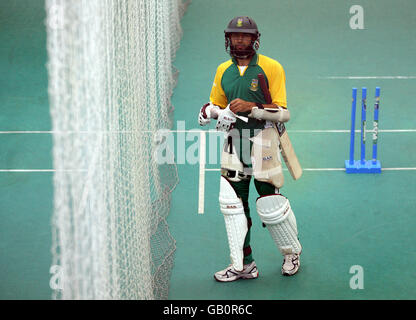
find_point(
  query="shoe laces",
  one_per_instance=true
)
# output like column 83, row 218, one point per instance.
column 289, row 258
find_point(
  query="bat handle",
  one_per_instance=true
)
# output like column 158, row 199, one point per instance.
column 264, row 88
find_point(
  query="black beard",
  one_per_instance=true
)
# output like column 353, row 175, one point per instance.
column 242, row 54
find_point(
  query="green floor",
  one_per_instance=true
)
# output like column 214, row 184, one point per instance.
column 25, row 198
column 344, row 220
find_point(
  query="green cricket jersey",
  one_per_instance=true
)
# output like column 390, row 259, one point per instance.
column 230, row 83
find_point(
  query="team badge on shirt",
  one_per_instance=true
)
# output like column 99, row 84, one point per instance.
column 254, row 85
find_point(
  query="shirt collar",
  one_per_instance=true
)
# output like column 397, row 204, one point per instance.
column 252, row 62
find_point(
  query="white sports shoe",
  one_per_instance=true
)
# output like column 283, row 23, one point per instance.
column 291, row 264
column 230, row 274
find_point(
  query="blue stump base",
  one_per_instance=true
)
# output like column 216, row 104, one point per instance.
column 358, row 167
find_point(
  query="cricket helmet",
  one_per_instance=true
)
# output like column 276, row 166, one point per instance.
column 242, row 24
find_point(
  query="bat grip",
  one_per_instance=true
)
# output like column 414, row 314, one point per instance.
column 264, row 88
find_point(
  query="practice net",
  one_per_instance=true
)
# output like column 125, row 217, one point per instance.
column 110, row 84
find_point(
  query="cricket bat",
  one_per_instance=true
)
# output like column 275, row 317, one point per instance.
column 288, row 153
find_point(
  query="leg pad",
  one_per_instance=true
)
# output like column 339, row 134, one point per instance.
column 235, row 222
column 275, row 212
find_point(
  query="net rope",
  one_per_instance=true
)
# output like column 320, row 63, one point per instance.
column 110, row 84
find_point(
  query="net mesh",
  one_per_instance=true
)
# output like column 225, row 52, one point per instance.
column 110, row 85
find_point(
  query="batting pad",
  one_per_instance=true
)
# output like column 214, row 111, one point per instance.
column 235, row 222
column 275, row 212
column 265, row 157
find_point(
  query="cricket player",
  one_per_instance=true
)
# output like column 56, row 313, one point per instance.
column 251, row 150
